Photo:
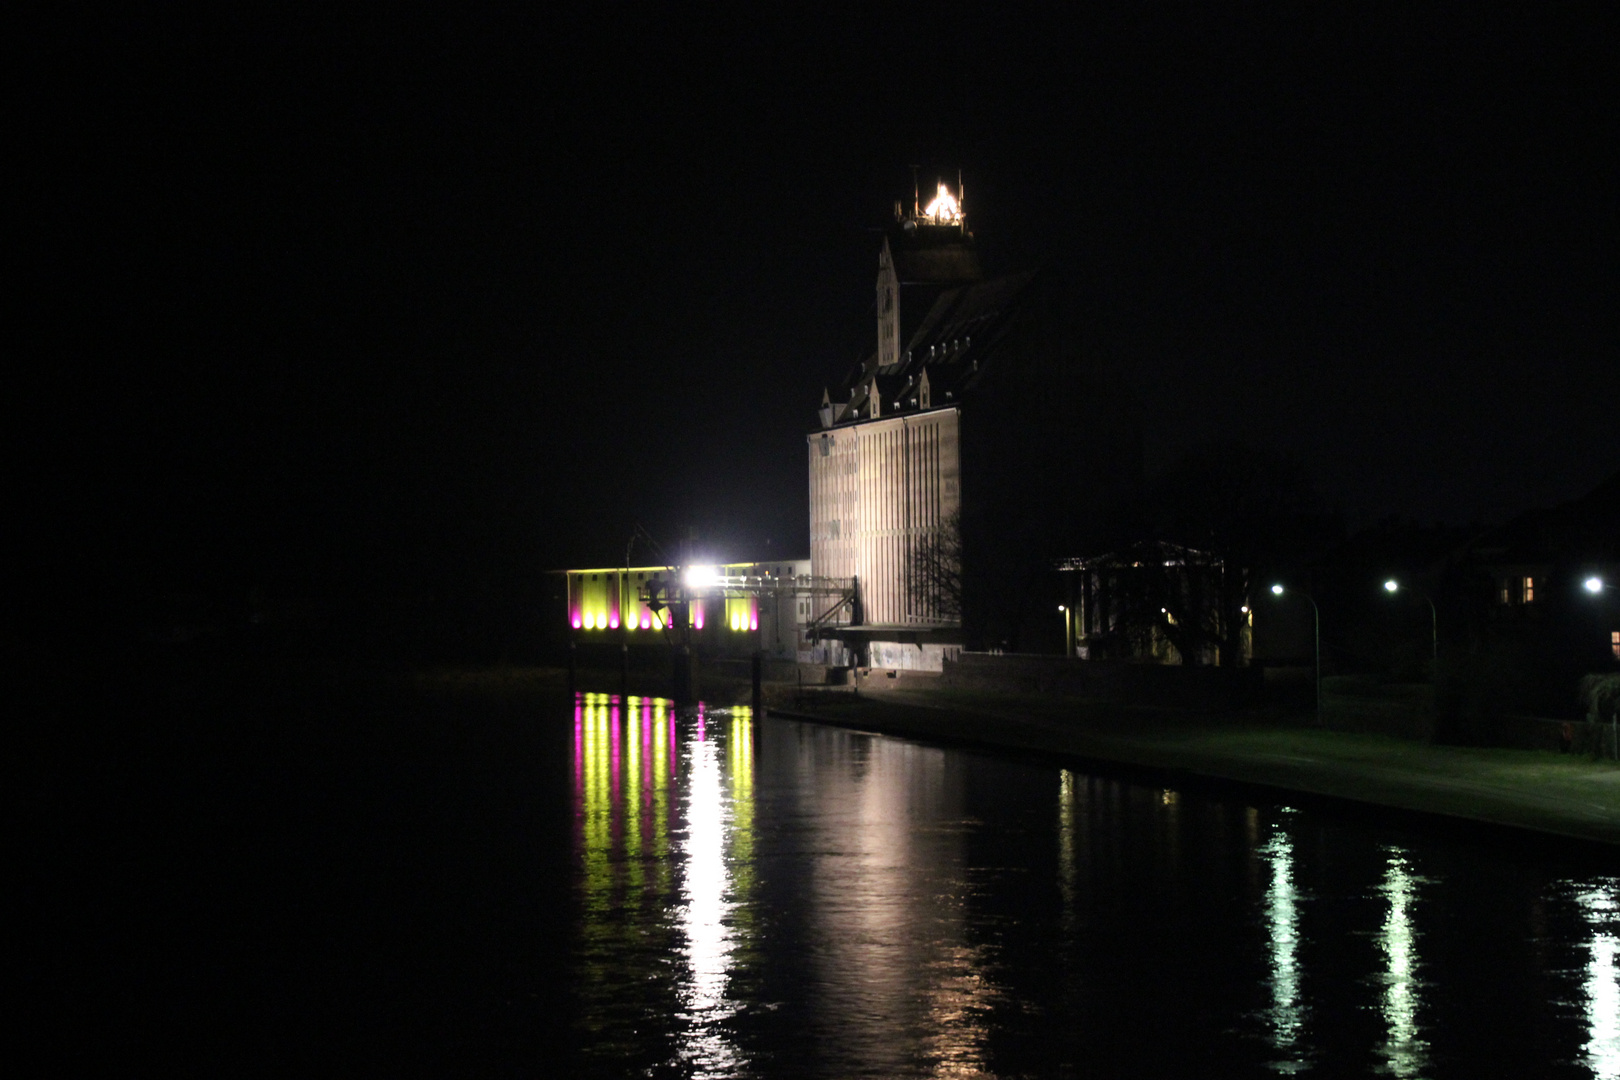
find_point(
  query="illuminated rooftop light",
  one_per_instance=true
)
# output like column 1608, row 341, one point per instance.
column 944, row 209
column 1593, row 585
column 1391, row 585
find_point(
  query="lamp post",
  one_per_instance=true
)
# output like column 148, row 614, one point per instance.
column 1316, row 622
column 1595, row 585
column 1068, row 646
column 1392, row 586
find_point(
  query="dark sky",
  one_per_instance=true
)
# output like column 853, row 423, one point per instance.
column 441, row 300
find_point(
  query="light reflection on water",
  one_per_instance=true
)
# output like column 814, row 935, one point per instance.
column 708, row 895
column 890, row 890
column 1405, row 1052
column 760, row 898
column 1287, row 1013
column 1599, row 902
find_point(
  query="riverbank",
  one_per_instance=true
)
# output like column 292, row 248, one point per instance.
column 1563, row 795
column 1557, row 794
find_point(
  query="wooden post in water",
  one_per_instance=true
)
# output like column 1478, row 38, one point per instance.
column 759, row 682
column 684, row 690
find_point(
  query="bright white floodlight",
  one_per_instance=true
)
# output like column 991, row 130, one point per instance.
column 699, row 577
column 1593, row 585
column 1391, row 585
column 1276, row 590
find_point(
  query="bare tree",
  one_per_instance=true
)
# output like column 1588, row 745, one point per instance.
column 936, row 573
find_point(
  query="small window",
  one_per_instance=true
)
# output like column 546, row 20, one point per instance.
column 1614, row 644
column 1529, row 590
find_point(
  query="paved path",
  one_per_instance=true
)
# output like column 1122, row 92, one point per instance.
column 1552, row 793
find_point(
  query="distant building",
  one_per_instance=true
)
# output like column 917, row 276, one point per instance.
column 1550, row 574
column 1158, row 602
column 970, row 447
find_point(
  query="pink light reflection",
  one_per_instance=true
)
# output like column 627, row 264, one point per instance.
column 579, row 746
column 613, row 727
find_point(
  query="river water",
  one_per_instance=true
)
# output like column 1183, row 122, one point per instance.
column 759, row 897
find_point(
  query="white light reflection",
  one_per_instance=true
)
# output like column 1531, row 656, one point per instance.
column 705, row 892
column 1600, row 904
column 1405, row 1052
column 1286, row 1016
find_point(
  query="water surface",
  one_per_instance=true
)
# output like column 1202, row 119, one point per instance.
column 760, row 897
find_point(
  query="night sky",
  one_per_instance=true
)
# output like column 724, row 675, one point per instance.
column 436, row 302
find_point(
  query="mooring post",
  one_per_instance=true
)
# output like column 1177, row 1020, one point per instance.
column 759, row 682
column 683, row 675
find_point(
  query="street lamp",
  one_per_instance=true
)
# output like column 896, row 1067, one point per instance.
column 1595, row 585
column 1316, row 618
column 1393, row 586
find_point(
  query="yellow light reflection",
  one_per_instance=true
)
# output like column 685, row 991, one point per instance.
column 621, row 828
column 740, row 758
column 1405, row 1052
column 1600, row 905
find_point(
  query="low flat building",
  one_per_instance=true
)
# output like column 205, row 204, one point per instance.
column 604, row 606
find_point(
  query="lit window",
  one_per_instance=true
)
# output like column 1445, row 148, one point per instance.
column 1614, row 644
column 1529, row 589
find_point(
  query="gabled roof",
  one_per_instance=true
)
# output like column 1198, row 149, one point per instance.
column 1587, row 528
column 955, row 340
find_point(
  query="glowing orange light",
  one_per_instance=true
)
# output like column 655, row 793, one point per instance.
column 944, row 209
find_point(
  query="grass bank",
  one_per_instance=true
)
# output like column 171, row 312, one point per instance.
column 1557, row 794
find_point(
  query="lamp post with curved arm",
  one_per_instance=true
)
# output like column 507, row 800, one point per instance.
column 1392, row 586
column 1316, row 621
